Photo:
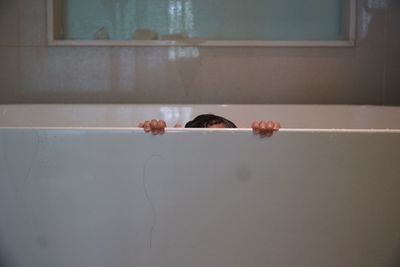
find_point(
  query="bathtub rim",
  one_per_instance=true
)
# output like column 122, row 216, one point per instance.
column 200, row 130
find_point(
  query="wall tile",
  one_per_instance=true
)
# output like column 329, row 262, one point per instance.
column 8, row 74
column 304, row 75
column 393, row 23
column 393, row 35
column 9, row 23
column 61, row 71
column 33, row 22
column 32, row 71
column 371, row 23
column 155, row 76
column 392, row 90
column 90, row 75
column 211, row 86
column 392, row 49
column 78, row 69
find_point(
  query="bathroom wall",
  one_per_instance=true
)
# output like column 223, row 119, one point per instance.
column 32, row 72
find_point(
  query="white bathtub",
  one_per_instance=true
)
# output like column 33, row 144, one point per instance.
column 291, row 116
column 80, row 187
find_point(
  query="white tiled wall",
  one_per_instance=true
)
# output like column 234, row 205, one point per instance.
column 31, row 72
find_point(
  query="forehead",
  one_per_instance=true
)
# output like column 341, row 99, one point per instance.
column 218, row 125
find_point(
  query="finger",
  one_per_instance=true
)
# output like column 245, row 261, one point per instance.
column 256, row 127
column 270, row 125
column 153, row 124
column 277, row 126
column 178, row 125
column 161, row 125
column 158, row 127
column 268, row 134
column 146, row 126
column 266, row 128
column 263, row 126
column 254, row 124
column 154, row 127
column 143, row 124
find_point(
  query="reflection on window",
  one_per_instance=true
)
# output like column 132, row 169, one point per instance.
column 180, row 18
column 173, row 115
column 195, row 21
column 175, row 53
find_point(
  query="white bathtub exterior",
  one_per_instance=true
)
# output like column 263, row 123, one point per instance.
column 98, row 196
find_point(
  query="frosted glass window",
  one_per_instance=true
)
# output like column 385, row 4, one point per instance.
column 203, row 19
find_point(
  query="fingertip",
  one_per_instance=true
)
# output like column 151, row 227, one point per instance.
column 270, row 124
column 153, row 124
column 162, row 124
column 263, row 125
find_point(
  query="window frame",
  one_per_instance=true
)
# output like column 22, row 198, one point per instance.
column 54, row 29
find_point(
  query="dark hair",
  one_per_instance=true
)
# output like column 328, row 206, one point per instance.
column 207, row 120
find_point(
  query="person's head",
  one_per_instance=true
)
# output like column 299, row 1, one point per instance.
column 210, row 121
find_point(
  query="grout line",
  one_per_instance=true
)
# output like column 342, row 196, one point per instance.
column 19, row 88
column 20, row 45
column 385, row 43
column 19, row 21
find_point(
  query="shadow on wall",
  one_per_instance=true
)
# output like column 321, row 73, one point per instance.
column 396, row 261
column 5, row 261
